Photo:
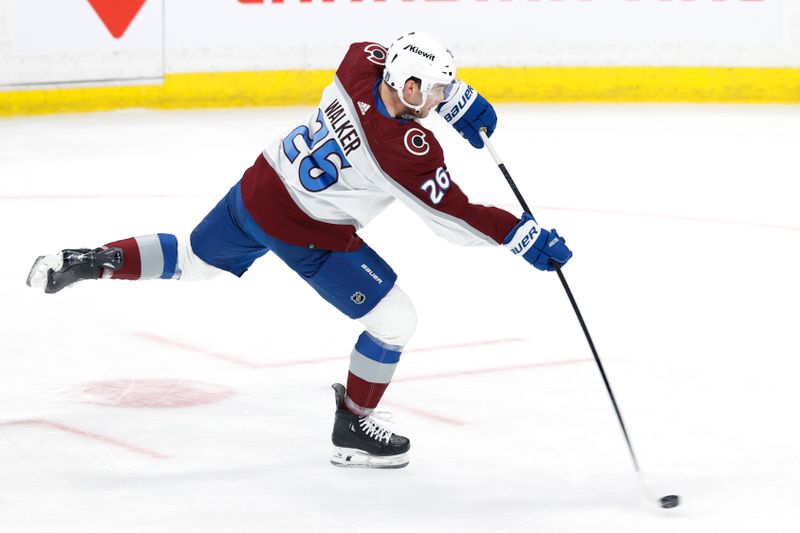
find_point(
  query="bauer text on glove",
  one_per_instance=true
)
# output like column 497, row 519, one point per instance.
column 537, row 246
column 469, row 112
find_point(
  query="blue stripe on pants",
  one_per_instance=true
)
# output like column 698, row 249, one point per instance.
column 169, row 248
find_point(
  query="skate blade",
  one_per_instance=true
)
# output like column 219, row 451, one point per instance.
column 353, row 458
column 37, row 277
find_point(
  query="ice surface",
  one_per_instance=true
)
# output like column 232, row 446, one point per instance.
column 206, row 407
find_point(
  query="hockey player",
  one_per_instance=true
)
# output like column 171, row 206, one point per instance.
column 307, row 194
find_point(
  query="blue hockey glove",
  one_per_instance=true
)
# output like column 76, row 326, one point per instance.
column 537, row 246
column 468, row 112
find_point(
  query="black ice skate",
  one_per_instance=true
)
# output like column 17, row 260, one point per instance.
column 359, row 441
column 54, row 272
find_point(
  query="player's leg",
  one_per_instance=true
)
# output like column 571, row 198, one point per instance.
column 389, row 327
column 362, row 286
column 358, row 440
column 217, row 244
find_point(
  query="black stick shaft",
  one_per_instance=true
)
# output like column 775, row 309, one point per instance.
column 527, row 209
column 599, row 364
column 516, row 192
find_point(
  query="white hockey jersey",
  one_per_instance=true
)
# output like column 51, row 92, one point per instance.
column 332, row 174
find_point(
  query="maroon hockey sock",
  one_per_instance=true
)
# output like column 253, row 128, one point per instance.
column 132, row 264
column 147, row 257
column 363, row 396
column 372, row 365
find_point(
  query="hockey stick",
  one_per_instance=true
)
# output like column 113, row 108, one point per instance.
column 667, row 501
column 527, row 209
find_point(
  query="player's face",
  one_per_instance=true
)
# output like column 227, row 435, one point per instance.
column 434, row 98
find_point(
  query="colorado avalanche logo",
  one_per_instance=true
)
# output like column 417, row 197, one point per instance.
column 376, row 54
column 416, row 143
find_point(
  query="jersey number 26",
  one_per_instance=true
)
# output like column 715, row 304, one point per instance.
column 438, row 186
column 320, row 168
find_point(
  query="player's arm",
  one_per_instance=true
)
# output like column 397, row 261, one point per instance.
column 445, row 200
column 431, row 193
column 418, row 176
column 538, row 246
column 444, row 206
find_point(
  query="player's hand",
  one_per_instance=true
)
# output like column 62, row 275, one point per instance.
column 469, row 112
column 542, row 248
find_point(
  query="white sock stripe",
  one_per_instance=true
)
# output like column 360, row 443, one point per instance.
column 369, row 370
column 151, row 255
column 355, row 408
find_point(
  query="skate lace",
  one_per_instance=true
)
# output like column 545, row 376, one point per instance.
column 374, row 430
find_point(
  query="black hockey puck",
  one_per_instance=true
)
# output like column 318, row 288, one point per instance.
column 668, row 502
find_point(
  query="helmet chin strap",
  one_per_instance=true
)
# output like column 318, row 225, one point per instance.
column 416, row 108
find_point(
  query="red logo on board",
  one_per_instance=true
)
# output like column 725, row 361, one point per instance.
column 117, row 15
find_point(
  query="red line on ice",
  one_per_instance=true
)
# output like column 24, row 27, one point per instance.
column 191, row 348
column 299, row 362
column 86, row 434
column 463, row 345
column 425, row 413
column 491, row 370
column 446, row 375
column 667, row 216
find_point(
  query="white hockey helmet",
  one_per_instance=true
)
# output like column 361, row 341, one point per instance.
column 418, row 55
